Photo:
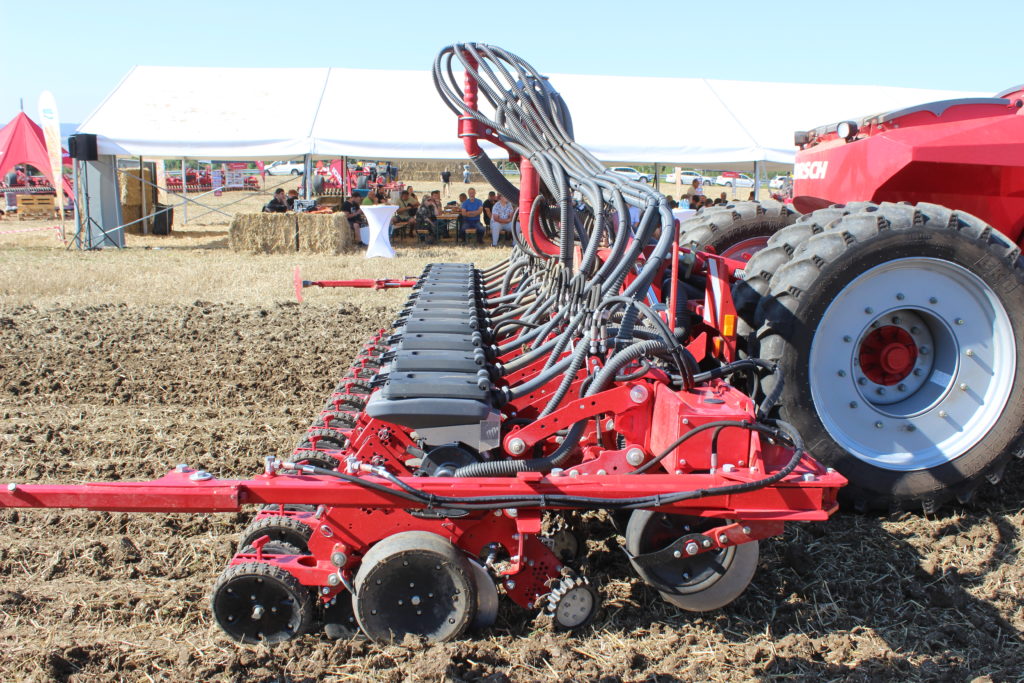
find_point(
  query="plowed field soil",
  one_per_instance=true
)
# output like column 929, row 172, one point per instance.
column 125, row 390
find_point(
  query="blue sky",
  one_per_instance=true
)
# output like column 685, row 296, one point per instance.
column 938, row 44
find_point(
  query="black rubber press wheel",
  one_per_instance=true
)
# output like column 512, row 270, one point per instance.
column 703, row 582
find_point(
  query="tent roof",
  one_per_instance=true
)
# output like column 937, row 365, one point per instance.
column 262, row 113
column 22, row 142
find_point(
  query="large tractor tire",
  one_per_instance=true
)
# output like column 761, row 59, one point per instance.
column 738, row 229
column 897, row 328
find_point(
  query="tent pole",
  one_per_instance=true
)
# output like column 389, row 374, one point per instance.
column 78, row 215
column 307, row 171
column 142, row 191
column 657, row 178
column 757, row 181
column 344, row 176
column 184, row 192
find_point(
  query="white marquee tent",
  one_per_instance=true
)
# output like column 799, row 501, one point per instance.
column 264, row 113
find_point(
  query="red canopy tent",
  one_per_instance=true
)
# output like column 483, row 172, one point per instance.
column 22, row 142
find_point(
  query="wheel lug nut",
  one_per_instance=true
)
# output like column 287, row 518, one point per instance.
column 896, row 320
column 963, row 387
column 917, row 372
column 959, row 321
column 902, row 387
column 880, row 391
column 841, row 373
column 911, row 428
column 970, row 353
column 862, row 381
column 943, row 414
column 914, row 330
column 933, row 300
column 900, row 296
column 847, row 338
column 869, row 310
column 853, row 404
column 878, row 425
column 924, row 350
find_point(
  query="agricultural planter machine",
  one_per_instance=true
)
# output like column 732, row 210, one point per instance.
column 598, row 368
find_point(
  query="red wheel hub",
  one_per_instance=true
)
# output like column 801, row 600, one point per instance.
column 887, row 355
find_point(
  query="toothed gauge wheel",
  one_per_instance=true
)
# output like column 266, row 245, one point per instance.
column 255, row 601
column 573, row 603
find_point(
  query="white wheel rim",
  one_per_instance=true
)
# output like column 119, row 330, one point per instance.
column 964, row 377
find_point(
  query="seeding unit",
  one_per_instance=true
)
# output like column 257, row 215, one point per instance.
column 596, row 368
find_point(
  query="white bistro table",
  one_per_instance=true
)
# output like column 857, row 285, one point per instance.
column 378, row 233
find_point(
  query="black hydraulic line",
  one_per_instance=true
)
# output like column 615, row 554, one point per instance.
column 782, row 430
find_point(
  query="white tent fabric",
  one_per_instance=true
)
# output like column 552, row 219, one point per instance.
column 233, row 113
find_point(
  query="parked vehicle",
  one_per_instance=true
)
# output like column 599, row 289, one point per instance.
column 779, row 182
column 631, row 173
column 687, row 178
column 742, row 180
column 285, row 168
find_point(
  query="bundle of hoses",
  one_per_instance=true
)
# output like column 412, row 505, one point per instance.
column 544, row 305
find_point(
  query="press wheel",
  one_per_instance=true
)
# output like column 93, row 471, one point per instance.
column 705, row 581
column 414, row 582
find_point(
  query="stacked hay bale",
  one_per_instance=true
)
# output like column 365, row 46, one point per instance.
column 324, row 233
column 132, row 192
column 283, row 233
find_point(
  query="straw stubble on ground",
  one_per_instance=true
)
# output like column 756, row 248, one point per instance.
column 118, row 365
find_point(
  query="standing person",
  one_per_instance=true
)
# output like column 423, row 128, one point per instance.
column 489, row 203
column 471, row 210
column 465, row 173
column 446, row 182
column 362, row 184
column 502, row 216
column 697, row 189
column 387, row 171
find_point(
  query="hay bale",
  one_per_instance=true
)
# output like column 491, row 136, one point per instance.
column 131, row 191
column 129, row 214
column 262, row 233
column 324, row 233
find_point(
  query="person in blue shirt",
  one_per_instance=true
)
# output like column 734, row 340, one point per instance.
column 471, row 210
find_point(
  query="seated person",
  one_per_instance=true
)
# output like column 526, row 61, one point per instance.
column 426, row 219
column 354, row 214
column 405, row 208
column 279, row 203
column 292, row 196
column 472, row 208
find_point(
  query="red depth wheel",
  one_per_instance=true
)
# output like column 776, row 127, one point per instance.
column 887, row 355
